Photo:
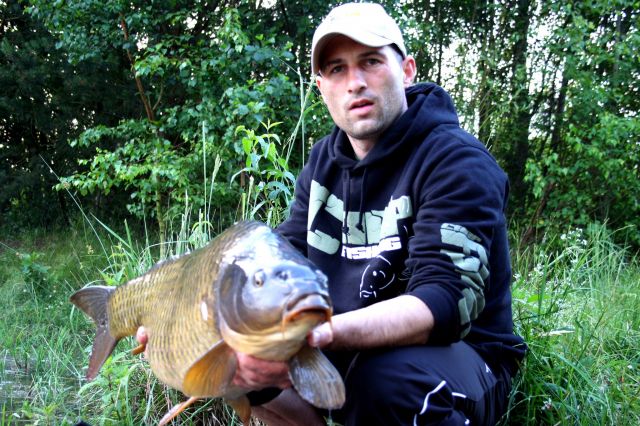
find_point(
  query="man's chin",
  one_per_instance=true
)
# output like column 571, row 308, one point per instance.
column 365, row 131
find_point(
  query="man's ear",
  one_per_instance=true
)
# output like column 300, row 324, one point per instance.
column 319, row 84
column 409, row 70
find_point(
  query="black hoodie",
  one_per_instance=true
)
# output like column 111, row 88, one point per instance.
column 421, row 214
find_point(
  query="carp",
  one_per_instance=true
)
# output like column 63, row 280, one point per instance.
column 249, row 291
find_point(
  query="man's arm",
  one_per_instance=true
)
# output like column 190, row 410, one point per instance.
column 403, row 320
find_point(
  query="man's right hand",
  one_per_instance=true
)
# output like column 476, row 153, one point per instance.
column 252, row 373
column 255, row 373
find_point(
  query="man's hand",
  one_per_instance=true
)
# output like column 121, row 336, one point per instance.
column 252, row 373
column 141, row 336
column 255, row 373
column 321, row 336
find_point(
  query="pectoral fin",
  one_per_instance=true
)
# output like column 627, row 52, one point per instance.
column 211, row 374
column 316, row 379
column 138, row 349
column 242, row 408
column 177, row 409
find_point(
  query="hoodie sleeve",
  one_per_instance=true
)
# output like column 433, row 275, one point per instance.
column 459, row 211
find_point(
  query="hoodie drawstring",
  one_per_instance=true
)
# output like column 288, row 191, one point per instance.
column 360, row 226
column 346, row 191
column 345, row 197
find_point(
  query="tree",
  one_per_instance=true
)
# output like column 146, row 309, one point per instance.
column 550, row 88
column 199, row 74
column 44, row 100
column 586, row 168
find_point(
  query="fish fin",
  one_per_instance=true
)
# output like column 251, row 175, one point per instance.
column 138, row 349
column 212, row 373
column 175, row 410
column 93, row 302
column 316, row 379
column 242, row 407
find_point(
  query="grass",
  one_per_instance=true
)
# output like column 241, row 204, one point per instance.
column 576, row 302
column 578, row 307
column 36, row 331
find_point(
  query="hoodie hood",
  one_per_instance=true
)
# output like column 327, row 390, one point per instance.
column 428, row 107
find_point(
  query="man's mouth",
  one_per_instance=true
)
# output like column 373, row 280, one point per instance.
column 361, row 108
column 359, row 104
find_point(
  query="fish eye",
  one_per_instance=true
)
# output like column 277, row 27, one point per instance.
column 259, row 278
column 283, row 275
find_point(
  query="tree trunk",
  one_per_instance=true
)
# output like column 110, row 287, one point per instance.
column 517, row 130
column 484, row 95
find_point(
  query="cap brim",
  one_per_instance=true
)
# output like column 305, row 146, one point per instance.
column 363, row 37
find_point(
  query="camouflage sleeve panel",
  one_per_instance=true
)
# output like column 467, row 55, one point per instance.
column 456, row 280
column 471, row 262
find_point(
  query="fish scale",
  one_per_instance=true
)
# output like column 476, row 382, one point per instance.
column 178, row 335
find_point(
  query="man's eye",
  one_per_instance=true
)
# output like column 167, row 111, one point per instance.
column 373, row 61
column 336, row 69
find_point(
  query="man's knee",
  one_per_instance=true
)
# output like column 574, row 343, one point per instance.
column 385, row 387
column 422, row 385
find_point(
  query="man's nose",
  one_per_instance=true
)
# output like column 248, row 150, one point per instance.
column 357, row 81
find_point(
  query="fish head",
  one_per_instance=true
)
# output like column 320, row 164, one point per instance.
column 265, row 306
column 265, row 296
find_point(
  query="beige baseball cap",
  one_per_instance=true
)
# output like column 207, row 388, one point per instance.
column 366, row 23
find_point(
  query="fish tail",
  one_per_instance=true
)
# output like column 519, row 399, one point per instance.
column 93, row 301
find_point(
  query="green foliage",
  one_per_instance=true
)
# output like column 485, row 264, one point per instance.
column 551, row 88
column 146, row 164
column 39, row 345
column 587, row 168
column 575, row 303
column 44, row 100
column 35, row 274
column 269, row 176
column 199, row 86
column 118, row 383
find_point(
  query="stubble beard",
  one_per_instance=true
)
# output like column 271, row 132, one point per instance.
column 371, row 127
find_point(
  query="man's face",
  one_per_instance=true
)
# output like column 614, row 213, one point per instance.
column 363, row 86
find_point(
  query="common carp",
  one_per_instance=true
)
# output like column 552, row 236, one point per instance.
column 248, row 290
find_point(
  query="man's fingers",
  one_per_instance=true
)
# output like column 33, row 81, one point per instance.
column 252, row 372
column 321, row 336
column 141, row 335
column 255, row 373
column 142, row 338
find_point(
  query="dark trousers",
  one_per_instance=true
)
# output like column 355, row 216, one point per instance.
column 422, row 385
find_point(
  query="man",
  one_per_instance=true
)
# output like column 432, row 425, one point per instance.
column 404, row 212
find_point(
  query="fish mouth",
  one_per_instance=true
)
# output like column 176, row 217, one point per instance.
column 313, row 307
